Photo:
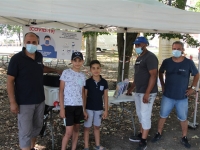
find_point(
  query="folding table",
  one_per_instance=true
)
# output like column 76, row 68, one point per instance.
column 120, row 102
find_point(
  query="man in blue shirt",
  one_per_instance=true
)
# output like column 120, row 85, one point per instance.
column 175, row 89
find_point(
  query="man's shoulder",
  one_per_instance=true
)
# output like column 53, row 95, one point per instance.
column 17, row 55
column 39, row 54
column 151, row 55
column 168, row 60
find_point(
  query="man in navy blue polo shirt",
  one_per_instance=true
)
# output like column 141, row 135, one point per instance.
column 26, row 92
column 175, row 89
column 96, row 90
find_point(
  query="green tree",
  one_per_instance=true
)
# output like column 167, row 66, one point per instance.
column 181, row 4
column 91, row 45
column 130, row 38
column 197, row 7
column 10, row 30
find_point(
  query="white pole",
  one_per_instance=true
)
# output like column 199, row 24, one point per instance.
column 124, row 54
column 197, row 94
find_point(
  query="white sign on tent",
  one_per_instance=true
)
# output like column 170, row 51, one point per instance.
column 56, row 43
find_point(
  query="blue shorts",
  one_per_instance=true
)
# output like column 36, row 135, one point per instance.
column 167, row 104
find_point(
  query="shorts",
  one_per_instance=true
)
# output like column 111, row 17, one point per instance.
column 167, row 104
column 144, row 109
column 93, row 116
column 74, row 115
column 30, row 122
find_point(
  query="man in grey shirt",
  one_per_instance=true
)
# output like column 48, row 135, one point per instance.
column 145, row 82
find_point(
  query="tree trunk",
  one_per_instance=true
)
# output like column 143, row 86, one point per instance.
column 130, row 38
column 91, row 44
column 19, row 37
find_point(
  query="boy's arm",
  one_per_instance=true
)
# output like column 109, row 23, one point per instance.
column 84, row 96
column 105, row 104
column 61, row 99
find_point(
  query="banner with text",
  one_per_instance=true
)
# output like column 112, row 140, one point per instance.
column 56, row 43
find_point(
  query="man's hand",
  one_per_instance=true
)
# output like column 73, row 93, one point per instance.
column 129, row 92
column 163, row 88
column 62, row 113
column 189, row 91
column 14, row 108
column 146, row 98
column 105, row 115
column 59, row 72
column 85, row 115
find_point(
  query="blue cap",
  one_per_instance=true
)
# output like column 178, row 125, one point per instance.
column 141, row 39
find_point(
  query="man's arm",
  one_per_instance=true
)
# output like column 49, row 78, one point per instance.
column 194, row 83
column 195, row 80
column 49, row 70
column 161, row 80
column 84, row 96
column 130, row 90
column 11, row 94
column 151, row 84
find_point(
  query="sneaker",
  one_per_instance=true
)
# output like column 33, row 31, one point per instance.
column 135, row 138
column 142, row 146
column 156, row 138
column 184, row 141
column 99, row 148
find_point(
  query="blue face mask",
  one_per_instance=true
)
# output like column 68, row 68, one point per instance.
column 47, row 42
column 138, row 50
column 176, row 53
column 31, row 48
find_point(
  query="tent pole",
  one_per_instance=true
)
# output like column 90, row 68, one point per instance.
column 123, row 62
column 195, row 124
column 197, row 94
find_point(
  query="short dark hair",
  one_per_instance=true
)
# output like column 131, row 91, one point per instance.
column 47, row 36
column 178, row 42
column 33, row 34
column 94, row 62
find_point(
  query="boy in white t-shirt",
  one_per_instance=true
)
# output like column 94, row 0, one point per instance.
column 71, row 96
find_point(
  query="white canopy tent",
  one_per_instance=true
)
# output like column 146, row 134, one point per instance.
column 100, row 15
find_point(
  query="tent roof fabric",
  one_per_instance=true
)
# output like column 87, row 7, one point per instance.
column 100, row 15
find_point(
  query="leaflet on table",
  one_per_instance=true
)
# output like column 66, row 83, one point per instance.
column 121, row 88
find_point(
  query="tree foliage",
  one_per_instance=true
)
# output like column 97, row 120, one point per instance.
column 88, row 33
column 196, row 8
column 185, row 37
column 10, row 30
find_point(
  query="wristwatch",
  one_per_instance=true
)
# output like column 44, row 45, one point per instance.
column 193, row 87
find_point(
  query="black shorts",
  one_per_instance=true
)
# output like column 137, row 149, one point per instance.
column 74, row 115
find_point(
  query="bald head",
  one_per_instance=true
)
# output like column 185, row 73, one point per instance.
column 31, row 38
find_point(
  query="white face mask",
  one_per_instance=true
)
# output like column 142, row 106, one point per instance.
column 138, row 50
column 176, row 53
column 31, row 48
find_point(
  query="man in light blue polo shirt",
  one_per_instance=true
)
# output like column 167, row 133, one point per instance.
column 175, row 89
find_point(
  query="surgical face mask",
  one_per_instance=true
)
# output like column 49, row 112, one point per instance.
column 31, row 48
column 176, row 53
column 138, row 50
column 47, row 42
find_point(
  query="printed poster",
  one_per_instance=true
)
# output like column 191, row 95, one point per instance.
column 56, row 43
